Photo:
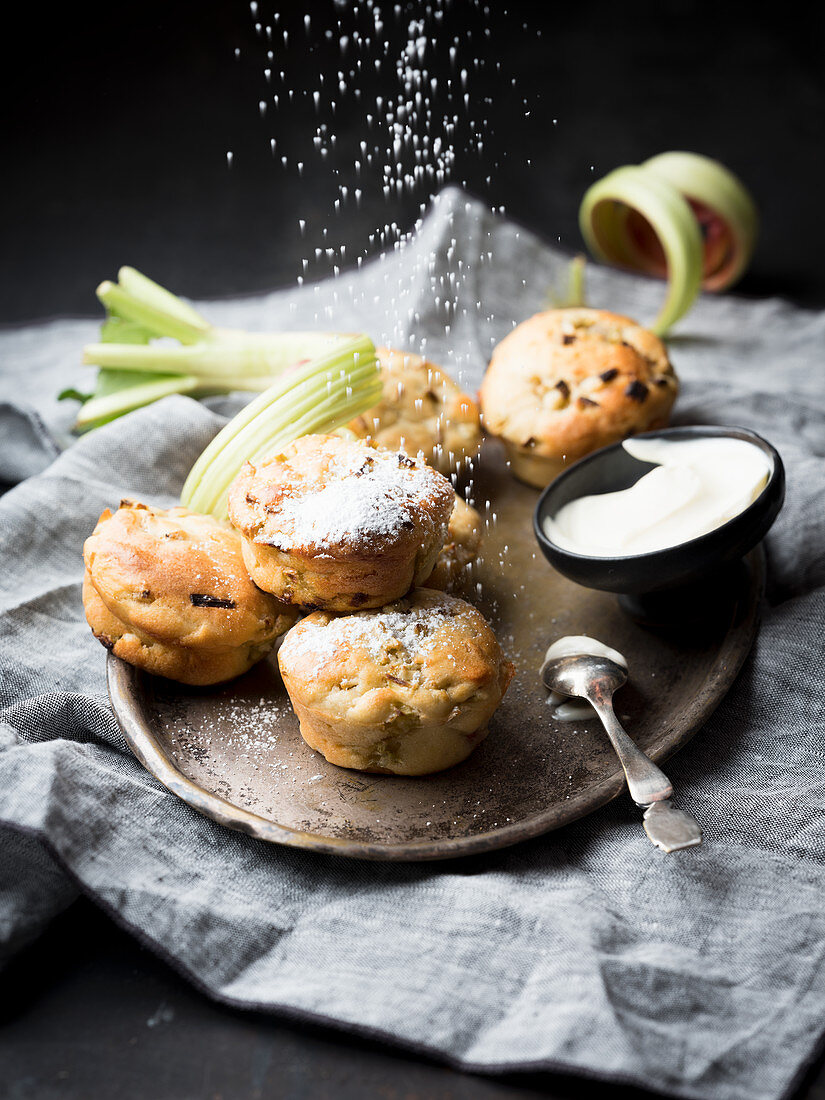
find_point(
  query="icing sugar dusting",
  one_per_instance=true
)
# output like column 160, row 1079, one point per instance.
column 377, row 498
column 395, row 632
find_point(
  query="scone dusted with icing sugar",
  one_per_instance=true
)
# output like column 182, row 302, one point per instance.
column 340, row 524
column 167, row 590
column 407, row 689
column 568, row 381
column 422, row 410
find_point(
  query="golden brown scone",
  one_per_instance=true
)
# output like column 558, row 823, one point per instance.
column 422, row 410
column 568, row 381
column 167, row 590
column 407, row 689
column 340, row 524
column 461, row 548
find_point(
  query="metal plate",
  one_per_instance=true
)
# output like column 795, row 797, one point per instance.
column 234, row 752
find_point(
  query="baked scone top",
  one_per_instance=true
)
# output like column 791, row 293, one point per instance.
column 179, row 577
column 324, row 495
column 568, row 381
column 422, row 409
column 429, row 652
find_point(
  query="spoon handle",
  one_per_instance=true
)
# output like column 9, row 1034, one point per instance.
column 646, row 782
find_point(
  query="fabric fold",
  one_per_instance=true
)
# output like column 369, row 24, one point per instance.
column 699, row 975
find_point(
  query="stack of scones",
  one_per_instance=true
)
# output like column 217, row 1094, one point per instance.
column 386, row 673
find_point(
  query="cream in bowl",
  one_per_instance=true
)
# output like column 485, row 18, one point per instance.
column 696, row 486
column 704, row 510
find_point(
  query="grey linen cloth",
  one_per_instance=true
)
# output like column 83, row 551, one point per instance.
column 700, row 974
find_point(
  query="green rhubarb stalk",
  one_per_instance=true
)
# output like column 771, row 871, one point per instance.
column 102, row 408
column 574, row 293
column 703, row 221
column 233, row 355
column 709, row 183
column 318, row 397
column 153, row 344
column 602, row 219
column 139, row 286
column 145, row 311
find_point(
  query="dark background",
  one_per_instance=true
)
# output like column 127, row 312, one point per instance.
column 121, row 116
column 117, row 126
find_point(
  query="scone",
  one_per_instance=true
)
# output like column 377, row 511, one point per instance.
column 569, row 381
column 167, row 590
column 340, row 524
column 459, row 550
column 407, row 689
column 422, row 410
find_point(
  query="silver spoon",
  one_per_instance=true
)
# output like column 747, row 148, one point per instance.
column 596, row 679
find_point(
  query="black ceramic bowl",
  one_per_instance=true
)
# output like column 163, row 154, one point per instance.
column 674, row 568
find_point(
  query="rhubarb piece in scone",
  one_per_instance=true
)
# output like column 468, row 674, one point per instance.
column 568, row 381
column 167, row 590
column 340, row 524
column 406, row 689
column 422, row 410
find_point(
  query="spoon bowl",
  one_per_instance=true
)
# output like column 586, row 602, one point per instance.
column 582, row 675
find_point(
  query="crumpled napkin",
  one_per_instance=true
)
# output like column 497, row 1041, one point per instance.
column 586, row 950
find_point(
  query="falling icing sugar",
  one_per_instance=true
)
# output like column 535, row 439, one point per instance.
column 410, row 83
column 406, row 78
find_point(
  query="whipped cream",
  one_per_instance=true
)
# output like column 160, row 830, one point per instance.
column 698, row 485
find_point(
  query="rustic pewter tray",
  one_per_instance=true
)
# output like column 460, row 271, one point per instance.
column 235, row 754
